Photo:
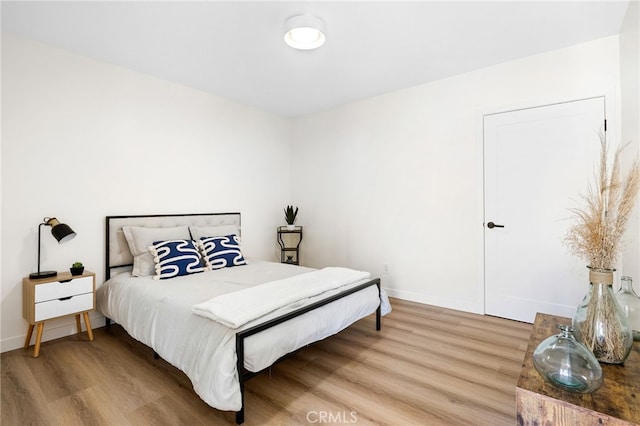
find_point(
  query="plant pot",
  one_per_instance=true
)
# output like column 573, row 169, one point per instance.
column 76, row 271
column 291, row 227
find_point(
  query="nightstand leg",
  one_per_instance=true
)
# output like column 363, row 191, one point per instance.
column 36, row 350
column 87, row 322
column 78, row 325
column 29, row 334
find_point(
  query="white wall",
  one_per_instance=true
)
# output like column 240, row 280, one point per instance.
column 393, row 179
column 630, row 123
column 396, row 179
column 83, row 139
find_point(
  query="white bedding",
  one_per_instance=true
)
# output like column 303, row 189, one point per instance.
column 239, row 307
column 158, row 314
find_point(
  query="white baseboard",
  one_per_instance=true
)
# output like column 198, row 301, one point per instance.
column 53, row 329
column 457, row 305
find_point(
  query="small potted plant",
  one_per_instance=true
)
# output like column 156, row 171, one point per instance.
column 77, row 268
column 290, row 216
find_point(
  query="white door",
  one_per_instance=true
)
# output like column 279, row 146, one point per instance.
column 536, row 162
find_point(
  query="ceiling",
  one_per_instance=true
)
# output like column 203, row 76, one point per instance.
column 236, row 49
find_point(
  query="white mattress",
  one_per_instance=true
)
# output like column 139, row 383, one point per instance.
column 158, row 314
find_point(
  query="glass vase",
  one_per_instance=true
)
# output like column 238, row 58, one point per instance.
column 599, row 322
column 567, row 363
column 630, row 303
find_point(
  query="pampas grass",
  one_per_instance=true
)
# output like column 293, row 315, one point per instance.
column 597, row 233
column 596, row 237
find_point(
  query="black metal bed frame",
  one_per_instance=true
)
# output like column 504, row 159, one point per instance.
column 241, row 336
column 244, row 374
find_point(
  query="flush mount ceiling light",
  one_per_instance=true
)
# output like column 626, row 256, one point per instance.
column 304, row 32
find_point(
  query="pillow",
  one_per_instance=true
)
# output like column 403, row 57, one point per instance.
column 221, row 252
column 199, row 232
column 175, row 257
column 140, row 238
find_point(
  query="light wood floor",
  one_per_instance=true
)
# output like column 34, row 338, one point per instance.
column 427, row 365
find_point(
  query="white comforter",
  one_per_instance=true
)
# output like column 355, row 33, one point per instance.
column 158, row 313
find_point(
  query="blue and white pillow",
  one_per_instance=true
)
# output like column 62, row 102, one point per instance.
column 174, row 258
column 221, row 252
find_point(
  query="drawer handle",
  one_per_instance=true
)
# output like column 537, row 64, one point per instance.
column 65, row 281
column 65, row 298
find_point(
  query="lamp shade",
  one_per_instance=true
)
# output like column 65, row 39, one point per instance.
column 60, row 231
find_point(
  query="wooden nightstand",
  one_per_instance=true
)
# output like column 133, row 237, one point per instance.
column 48, row 298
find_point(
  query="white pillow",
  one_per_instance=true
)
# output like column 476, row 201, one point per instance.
column 140, row 238
column 198, row 232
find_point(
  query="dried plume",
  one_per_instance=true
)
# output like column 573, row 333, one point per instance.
column 596, row 237
column 600, row 224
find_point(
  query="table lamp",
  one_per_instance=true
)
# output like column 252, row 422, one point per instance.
column 62, row 233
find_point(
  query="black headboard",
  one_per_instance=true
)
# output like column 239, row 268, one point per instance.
column 118, row 255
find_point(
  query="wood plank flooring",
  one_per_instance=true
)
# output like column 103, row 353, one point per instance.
column 427, row 365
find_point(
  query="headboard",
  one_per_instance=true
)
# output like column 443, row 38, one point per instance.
column 117, row 250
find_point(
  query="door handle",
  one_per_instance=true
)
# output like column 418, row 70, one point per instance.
column 492, row 225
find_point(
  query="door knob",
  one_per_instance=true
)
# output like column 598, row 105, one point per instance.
column 492, row 225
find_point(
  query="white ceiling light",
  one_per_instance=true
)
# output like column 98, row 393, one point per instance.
column 304, row 32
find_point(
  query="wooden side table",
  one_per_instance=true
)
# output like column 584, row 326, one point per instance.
column 48, row 298
column 538, row 402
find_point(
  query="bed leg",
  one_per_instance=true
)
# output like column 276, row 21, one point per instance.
column 240, row 416
column 155, row 355
column 379, row 310
column 241, row 376
column 107, row 322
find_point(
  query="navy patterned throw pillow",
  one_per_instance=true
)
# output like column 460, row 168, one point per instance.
column 221, row 252
column 175, row 257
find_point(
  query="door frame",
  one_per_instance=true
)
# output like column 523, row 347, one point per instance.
column 611, row 112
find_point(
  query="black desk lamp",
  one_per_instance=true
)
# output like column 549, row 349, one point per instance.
column 61, row 232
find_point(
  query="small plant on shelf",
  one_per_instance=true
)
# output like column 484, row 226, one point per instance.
column 77, row 268
column 290, row 216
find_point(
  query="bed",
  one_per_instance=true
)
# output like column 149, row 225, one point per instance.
column 181, row 318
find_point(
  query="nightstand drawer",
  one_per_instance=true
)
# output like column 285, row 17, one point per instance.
column 58, row 290
column 56, row 308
